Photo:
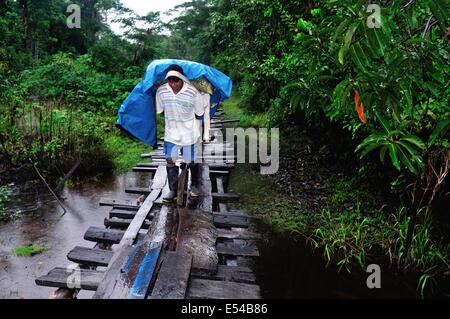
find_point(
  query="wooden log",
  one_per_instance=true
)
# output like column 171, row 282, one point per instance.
column 236, row 233
column 227, row 273
column 235, row 249
column 65, row 277
column 211, row 166
column 173, row 277
column 118, row 204
column 225, row 197
column 138, row 190
column 229, row 221
column 105, row 236
column 128, row 214
column 212, row 289
column 90, row 256
column 197, row 237
column 127, row 275
column 220, row 190
column 119, row 223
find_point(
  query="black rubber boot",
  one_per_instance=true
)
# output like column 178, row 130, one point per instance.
column 195, row 191
column 172, row 177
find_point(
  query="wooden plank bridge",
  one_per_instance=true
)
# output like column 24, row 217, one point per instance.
column 196, row 249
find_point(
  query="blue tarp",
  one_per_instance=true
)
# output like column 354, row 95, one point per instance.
column 137, row 114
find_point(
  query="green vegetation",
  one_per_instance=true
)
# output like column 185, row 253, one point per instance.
column 30, row 250
column 363, row 111
column 5, row 213
column 126, row 152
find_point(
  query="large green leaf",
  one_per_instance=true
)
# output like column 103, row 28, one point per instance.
column 438, row 130
column 405, row 160
column 359, row 58
column 369, row 149
column 393, row 152
column 412, row 150
column 414, row 140
column 373, row 138
column 384, row 123
column 347, row 41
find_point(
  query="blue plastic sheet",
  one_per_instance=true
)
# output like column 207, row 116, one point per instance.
column 137, row 114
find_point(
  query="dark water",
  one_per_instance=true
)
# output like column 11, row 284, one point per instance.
column 60, row 233
column 286, row 269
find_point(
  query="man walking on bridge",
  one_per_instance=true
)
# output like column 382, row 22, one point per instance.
column 180, row 102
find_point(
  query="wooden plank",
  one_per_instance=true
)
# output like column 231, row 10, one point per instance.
column 227, row 273
column 127, row 214
column 212, row 166
column 117, row 203
column 145, row 273
column 90, row 256
column 225, row 197
column 197, row 236
column 220, row 190
column 212, row 289
column 120, row 223
column 105, row 236
column 173, row 277
column 138, row 190
column 64, row 277
column 158, row 183
column 122, row 275
column 224, row 122
column 236, row 233
column 228, row 221
column 234, row 249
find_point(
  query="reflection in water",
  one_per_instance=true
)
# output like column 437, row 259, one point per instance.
column 288, row 269
column 46, row 224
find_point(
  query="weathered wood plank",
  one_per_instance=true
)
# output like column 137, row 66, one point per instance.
column 145, row 273
column 212, row 289
column 155, row 165
column 236, row 233
column 197, row 236
column 220, row 190
column 119, row 283
column 138, row 190
column 137, row 223
column 227, row 273
column 118, row 203
column 225, row 197
column 127, row 214
column 173, row 277
column 90, row 256
column 235, row 249
column 228, row 221
column 105, row 236
column 120, row 223
column 71, row 278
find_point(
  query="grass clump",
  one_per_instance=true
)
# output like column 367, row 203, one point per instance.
column 30, row 250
